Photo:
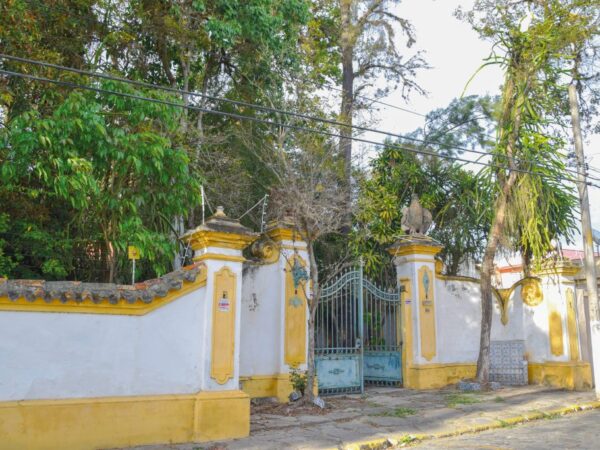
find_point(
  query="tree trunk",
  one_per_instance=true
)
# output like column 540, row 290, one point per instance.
column 347, row 106
column 591, row 276
column 313, row 300
column 487, row 269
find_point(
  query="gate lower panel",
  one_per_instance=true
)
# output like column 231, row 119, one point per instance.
column 338, row 373
column 382, row 367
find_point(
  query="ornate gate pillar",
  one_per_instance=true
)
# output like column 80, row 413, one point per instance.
column 414, row 259
column 555, row 337
column 219, row 243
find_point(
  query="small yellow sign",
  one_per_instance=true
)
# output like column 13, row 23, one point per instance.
column 133, row 252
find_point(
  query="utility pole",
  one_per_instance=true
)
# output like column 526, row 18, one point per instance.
column 591, row 276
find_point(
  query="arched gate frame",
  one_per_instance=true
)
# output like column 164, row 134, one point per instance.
column 357, row 334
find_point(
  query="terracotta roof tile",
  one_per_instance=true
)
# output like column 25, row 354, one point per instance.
column 76, row 291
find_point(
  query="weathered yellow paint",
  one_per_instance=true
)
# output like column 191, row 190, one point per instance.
column 555, row 331
column 283, row 232
column 568, row 375
column 209, row 238
column 406, row 298
column 223, row 326
column 434, row 376
column 427, row 313
column 531, row 291
column 276, row 385
column 219, row 257
column 561, row 267
column 415, row 248
column 138, row 308
column 109, row 422
column 572, row 326
column 295, row 316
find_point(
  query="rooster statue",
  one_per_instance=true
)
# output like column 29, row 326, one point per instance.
column 416, row 220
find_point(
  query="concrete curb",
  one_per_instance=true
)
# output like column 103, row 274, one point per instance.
column 407, row 439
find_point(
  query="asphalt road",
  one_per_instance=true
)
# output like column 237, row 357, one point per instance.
column 574, row 431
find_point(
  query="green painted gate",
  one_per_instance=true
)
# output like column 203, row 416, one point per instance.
column 357, row 334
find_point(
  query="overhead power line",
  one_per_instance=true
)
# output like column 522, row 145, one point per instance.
column 269, row 122
column 251, row 105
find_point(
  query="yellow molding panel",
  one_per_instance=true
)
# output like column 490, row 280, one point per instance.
column 223, row 326
column 138, row 308
column 427, row 313
column 568, row 375
column 434, row 376
column 109, row 422
column 219, row 257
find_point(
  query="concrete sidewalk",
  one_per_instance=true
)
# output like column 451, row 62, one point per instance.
column 386, row 417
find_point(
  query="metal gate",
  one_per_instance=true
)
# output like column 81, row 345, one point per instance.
column 357, row 334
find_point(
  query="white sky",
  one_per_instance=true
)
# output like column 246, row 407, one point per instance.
column 455, row 52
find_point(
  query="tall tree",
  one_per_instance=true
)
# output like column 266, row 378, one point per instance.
column 529, row 37
column 369, row 51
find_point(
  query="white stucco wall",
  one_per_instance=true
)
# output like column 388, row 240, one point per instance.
column 261, row 340
column 55, row 355
column 458, row 320
column 263, row 314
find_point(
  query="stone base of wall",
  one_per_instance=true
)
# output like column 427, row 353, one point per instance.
column 567, row 375
column 263, row 386
column 433, row 376
column 93, row 423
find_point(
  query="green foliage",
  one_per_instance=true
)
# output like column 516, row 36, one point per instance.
column 400, row 412
column 458, row 200
column 455, row 399
column 97, row 174
column 298, row 380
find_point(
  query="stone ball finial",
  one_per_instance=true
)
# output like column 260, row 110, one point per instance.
column 220, row 212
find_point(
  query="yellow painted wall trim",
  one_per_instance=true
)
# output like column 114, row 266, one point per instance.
column 568, row 375
column 275, row 385
column 403, row 249
column 572, row 327
column 295, row 316
column 283, row 232
column 219, row 257
column 138, row 308
column 208, row 238
column 109, row 422
column 407, row 299
column 427, row 313
column 223, row 325
column 433, row 376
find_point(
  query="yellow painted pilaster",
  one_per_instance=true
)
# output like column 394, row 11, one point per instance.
column 407, row 330
column 572, row 326
column 295, row 316
column 223, row 329
column 427, row 313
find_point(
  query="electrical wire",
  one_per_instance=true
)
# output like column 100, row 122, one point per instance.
column 269, row 122
column 249, row 105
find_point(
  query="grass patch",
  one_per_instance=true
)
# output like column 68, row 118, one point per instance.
column 455, row 399
column 499, row 400
column 505, row 424
column 398, row 412
column 551, row 416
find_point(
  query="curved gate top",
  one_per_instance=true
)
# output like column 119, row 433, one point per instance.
column 357, row 334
